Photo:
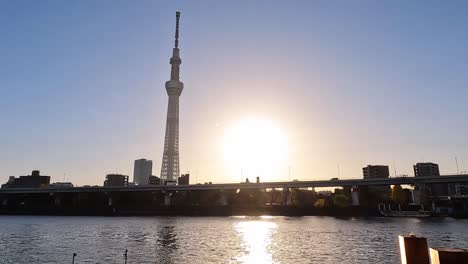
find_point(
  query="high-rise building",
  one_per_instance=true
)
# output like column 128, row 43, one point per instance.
column 426, row 169
column 376, row 194
column 375, row 172
column 424, row 191
column 155, row 180
column 114, row 180
column 184, row 179
column 170, row 163
column 142, row 171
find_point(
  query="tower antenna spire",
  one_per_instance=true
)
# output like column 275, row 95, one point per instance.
column 170, row 169
column 177, row 30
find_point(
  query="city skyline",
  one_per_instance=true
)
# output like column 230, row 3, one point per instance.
column 84, row 87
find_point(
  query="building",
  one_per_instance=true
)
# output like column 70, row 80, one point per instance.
column 426, row 169
column 113, row 180
column 170, row 163
column 35, row 180
column 155, row 180
column 60, row 185
column 422, row 191
column 142, row 171
column 375, row 172
column 372, row 195
column 184, row 179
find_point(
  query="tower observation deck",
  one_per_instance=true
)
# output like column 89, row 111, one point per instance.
column 170, row 169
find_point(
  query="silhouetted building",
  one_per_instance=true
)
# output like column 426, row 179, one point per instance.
column 375, row 194
column 424, row 191
column 426, row 169
column 113, row 180
column 61, row 185
column 35, row 180
column 184, row 179
column 155, row 180
column 375, row 172
column 142, row 171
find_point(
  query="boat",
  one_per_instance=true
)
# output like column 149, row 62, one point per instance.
column 388, row 212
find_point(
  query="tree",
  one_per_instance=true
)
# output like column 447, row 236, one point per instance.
column 399, row 195
column 340, row 200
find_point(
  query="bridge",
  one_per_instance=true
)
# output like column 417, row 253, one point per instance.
column 263, row 185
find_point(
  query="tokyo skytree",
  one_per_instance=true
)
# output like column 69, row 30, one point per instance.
column 170, row 168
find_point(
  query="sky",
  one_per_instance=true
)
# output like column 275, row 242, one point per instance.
column 345, row 84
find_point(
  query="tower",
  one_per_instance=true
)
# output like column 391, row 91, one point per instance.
column 170, row 162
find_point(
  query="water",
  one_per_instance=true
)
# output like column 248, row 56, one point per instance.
column 44, row 239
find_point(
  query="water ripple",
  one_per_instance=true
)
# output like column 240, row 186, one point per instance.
column 29, row 239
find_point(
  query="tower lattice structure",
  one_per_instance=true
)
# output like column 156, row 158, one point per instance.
column 170, row 169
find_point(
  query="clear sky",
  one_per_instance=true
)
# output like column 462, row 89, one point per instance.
column 345, row 82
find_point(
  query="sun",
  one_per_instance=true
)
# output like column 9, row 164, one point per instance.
column 255, row 147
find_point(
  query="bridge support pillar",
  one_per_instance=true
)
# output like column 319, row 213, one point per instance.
column 355, row 196
column 167, row 199
column 57, row 201
column 223, row 199
column 287, row 197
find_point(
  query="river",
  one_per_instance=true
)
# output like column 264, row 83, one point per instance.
column 47, row 239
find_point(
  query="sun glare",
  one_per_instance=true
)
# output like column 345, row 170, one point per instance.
column 256, row 239
column 255, row 148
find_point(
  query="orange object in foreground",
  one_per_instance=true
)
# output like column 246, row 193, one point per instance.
column 448, row 256
column 413, row 250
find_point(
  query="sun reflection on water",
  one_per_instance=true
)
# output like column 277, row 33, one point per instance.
column 256, row 240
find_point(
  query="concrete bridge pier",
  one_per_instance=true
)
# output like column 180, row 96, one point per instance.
column 110, row 203
column 355, row 196
column 56, row 198
column 167, row 199
column 287, row 197
column 57, row 201
column 223, row 199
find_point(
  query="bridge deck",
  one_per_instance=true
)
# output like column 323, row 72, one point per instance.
column 263, row 185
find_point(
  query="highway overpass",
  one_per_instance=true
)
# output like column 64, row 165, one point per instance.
column 263, row 185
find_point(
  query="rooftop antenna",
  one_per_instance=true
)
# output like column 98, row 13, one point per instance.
column 394, row 168
column 456, row 162
column 176, row 44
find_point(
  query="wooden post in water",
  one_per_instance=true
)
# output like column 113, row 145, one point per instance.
column 125, row 255
column 413, row 250
column 448, row 256
column 73, row 259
